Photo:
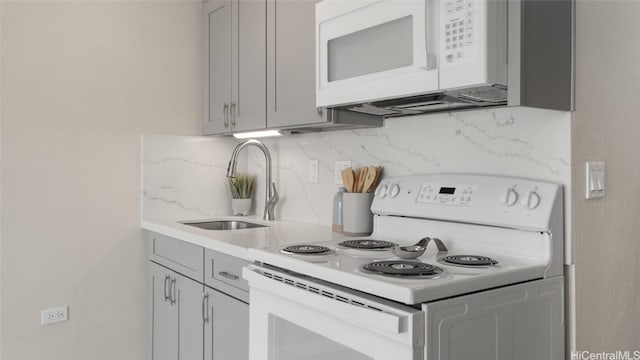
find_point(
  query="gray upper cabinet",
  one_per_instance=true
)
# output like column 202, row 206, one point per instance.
column 217, row 67
column 260, row 69
column 248, row 105
column 291, row 97
column 235, row 74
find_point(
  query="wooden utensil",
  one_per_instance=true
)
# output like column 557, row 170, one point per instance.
column 348, row 179
column 361, row 174
column 370, row 179
column 378, row 174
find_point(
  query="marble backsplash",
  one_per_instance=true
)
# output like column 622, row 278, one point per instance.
column 184, row 176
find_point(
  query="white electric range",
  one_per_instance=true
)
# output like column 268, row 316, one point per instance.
column 489, row 286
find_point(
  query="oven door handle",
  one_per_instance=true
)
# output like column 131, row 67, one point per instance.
column 393, row 321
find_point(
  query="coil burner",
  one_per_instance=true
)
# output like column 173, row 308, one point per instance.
column 367, row 244
column 404, row 269
column 468, row 260
column 306, row 250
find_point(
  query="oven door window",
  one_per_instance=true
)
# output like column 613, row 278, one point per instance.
column 292, row 342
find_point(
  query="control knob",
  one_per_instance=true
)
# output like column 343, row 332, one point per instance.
column 394, row 190
column 381, row 191
column 532, row 200
column 510, row 197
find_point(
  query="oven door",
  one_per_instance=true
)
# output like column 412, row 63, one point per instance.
column 293, row 318
column 374, row 49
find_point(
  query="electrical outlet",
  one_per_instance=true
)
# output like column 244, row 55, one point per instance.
column 313, row 171
column 54, row 315
column 337, row 170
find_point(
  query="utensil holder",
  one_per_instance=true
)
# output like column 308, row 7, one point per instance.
column 357, row 216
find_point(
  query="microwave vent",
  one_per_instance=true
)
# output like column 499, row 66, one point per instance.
column 494, row 95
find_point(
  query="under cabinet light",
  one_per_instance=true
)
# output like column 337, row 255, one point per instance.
column 257, row 134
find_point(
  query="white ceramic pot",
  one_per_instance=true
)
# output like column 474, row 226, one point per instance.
column 356, row 211
column 241, row 206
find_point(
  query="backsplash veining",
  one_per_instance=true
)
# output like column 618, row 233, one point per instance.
column 185, row 176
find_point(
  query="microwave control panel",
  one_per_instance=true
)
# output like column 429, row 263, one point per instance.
column 458, row 40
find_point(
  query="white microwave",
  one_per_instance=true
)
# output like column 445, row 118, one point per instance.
column 370, row 50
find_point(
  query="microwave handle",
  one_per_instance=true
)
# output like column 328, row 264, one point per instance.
column 430, row 55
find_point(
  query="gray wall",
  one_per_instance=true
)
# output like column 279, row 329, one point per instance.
column 606, row 127
column 81, row 81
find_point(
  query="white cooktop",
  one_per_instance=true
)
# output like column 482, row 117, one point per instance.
column 526, row 241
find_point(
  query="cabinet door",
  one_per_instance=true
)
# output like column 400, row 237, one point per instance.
column 248, row 106
column 291, row 93
column 176, row 315
column 227, row 332
column 217, row 66
column 190, row 310
column 163, row 316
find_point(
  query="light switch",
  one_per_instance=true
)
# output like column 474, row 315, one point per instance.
column 313, row 171
column 594, row 179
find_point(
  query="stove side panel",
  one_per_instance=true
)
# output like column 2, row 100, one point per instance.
column 524, row 321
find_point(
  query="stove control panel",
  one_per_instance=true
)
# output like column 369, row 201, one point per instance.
column 481, row 199
column 447, row 194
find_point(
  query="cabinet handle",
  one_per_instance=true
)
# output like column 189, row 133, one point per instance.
column 225, row 112
column 173, row 291
column 228, row 275
column 233, row 115
column 205, row 305
column 166, row 288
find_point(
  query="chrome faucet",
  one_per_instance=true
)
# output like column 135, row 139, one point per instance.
column 271, row 194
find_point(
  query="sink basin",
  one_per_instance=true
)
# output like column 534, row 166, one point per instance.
column 224, row 225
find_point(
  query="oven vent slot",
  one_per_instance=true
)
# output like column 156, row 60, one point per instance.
column 318, row 291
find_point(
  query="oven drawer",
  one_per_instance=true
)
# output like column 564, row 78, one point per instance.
column 178, row 255
column 224, row 272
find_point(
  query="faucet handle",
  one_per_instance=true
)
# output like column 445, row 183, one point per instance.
column 274, row 197
column 270, row 204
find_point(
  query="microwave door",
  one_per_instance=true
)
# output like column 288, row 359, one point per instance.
column 369, row 50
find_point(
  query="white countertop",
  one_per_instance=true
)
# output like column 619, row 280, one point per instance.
column 238, row 242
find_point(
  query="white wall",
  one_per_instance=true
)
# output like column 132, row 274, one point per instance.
column 80, row 82
column 606, row 128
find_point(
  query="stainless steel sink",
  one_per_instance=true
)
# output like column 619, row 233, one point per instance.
column 224, row 225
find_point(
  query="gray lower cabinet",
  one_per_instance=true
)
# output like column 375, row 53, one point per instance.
column 188, row 319
column 176, row 315
column 227, row 327
column 163, row 316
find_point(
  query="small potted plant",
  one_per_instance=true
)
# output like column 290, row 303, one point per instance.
column 241, row 188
